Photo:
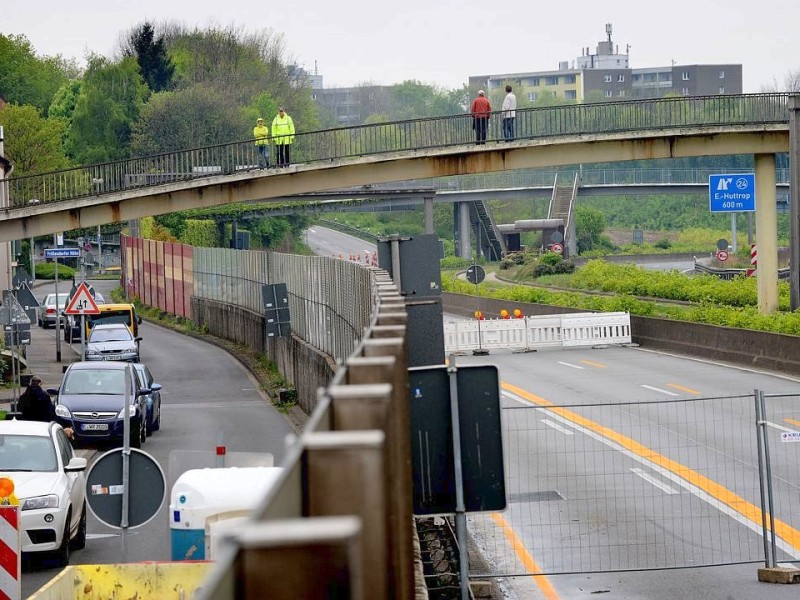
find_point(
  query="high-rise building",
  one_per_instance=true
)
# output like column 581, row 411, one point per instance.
column 607, row 75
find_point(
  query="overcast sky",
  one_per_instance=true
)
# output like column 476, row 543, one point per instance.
column 443, row 42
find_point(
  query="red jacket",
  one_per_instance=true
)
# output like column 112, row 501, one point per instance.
column 481, row 107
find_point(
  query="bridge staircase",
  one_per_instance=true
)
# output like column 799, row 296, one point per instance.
column 491, row 242
column 562, row 206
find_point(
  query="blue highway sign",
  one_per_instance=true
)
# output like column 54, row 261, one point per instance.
column 62, row 253
column 732, row 192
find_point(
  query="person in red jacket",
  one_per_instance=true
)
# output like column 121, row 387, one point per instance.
column 481, row 110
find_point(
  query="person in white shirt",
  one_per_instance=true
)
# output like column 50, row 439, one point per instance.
column 509, row 114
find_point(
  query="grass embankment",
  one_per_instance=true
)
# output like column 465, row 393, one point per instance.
column 608, row 287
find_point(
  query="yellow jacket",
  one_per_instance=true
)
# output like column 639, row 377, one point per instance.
column 261, row 133
column 283, row 129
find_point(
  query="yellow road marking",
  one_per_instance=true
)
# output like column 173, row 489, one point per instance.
column 528, row 561
column 793, row 422
column 683, row 389
column 591, row 363
column 747, row 509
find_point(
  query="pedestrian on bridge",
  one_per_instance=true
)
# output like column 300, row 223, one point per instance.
column 481, row 110
column 509, row 114
column 283, row 136
column 261, row 134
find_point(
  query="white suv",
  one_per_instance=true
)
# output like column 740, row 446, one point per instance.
column 50, row 484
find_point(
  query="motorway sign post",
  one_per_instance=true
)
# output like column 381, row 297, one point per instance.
column 732, row 192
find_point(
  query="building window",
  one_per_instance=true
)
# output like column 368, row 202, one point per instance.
column 568, row 79
column 570, row 94
column 532, row 81
column 551, row 80
column 607, row 78
column 685, row 91
column 685, row 75
column 533, row 96
column 722, row 89
column 722, row 74
column 313, row 96
column 609, row 93
column 620, row 78
column 621, row 93
column 372, row 96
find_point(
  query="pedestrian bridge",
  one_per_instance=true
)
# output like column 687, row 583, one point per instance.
column 756, row 124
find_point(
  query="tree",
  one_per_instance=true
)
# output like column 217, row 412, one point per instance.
column 32, row 142
column 589, row 226
column 190, row 118
column 110, row 99
column 155, row 64
column 28, row 79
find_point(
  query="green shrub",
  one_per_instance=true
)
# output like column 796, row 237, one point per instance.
column 47, row 270
column 454, row 262
column 663, row 244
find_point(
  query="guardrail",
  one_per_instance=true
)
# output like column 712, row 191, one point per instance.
column 538, row 332
column 338, row 521
column 542, row 122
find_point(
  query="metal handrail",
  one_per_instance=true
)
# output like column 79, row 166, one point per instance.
column 745, row 110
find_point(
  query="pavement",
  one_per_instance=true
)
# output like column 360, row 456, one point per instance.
column 41, row 358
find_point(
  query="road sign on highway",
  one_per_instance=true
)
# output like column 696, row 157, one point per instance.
column 732, row 192
column 557, row 248
column 476, row 274
column 82, row 302
column 722, row 255
column 62, row 253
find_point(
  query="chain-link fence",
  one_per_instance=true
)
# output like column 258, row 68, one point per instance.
column 644, row 485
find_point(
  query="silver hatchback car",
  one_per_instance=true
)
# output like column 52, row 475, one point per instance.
column 112, row 341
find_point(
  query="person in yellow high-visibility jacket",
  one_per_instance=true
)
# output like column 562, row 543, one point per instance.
column 282, row 136
column 261, row 135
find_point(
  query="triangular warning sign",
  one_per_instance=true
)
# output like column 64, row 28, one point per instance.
column 82, row 302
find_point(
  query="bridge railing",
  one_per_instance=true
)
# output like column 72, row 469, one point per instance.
column 439, row 132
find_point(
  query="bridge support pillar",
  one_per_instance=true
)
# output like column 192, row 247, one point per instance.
column 794, row 197
column 428, row 204
column 766, row 234
column 463, row 229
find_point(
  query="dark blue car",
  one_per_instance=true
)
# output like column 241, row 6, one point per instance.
column 91, row 401
column 153, row 399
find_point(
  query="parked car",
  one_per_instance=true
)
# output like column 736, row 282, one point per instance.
column 113, row 341
column 153, row 421
column 91, row 400
column 49, row 310
column 49, row 482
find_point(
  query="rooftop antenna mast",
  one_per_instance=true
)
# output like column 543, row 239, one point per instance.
column 608, row 32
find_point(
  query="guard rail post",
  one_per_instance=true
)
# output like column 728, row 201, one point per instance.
column 346, row 475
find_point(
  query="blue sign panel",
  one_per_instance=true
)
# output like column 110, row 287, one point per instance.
column 732, row 192
column 62, row 253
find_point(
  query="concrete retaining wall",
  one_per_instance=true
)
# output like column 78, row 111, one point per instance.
column 302, row 365
column 771, row 351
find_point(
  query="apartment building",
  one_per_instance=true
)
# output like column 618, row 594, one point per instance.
column 606, row 74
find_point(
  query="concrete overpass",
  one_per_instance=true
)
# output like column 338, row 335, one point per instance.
column 757, row 124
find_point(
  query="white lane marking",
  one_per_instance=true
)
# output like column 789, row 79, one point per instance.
column 557, row 427
column 652, row 480
column 676, row 479
column 99, row 536
column 655, row 389
column 566, row 364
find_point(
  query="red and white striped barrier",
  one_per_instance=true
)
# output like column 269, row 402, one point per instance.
column 10, row 555
column 753, row 261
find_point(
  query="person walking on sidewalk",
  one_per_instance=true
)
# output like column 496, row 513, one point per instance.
column 35, row 404
column 261, row 134
column 283, row 136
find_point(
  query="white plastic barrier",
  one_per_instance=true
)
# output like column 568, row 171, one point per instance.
column 591, row 329
column 542, row 331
